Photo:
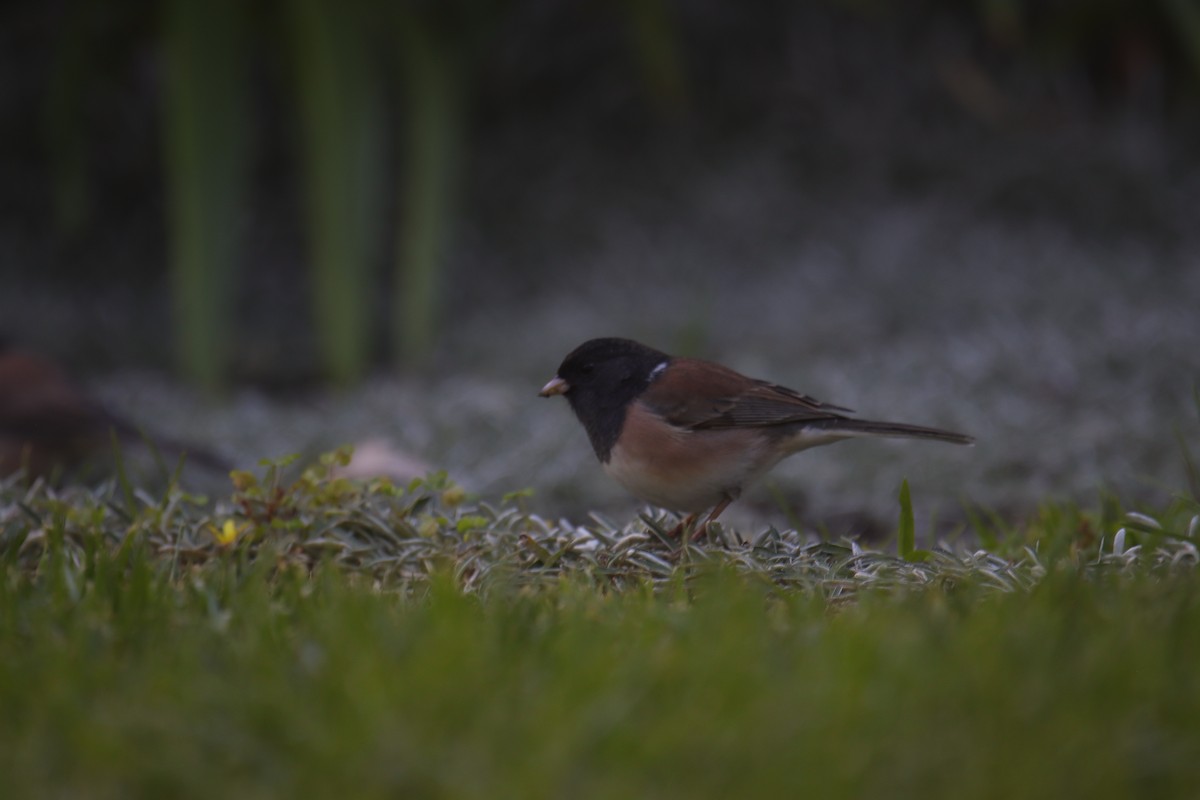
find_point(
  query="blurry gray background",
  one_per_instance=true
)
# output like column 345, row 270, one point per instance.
column 904, row 213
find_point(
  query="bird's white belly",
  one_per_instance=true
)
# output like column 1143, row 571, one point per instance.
column 712, row 466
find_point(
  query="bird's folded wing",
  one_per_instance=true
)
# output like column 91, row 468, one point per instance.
column 700, row 395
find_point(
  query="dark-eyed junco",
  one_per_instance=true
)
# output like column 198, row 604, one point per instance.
column 689, row 435
column 47, row 421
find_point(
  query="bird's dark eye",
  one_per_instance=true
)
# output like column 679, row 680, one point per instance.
column 587, row 368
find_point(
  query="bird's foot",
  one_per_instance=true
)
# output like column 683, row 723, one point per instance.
column 684, row 525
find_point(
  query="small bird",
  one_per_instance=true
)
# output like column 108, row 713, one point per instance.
column 47, row 422
column 690, row 435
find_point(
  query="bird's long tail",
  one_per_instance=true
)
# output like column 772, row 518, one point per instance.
column 848, row 426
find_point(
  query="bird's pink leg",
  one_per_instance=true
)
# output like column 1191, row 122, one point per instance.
column 716, row 512
column 685, row 524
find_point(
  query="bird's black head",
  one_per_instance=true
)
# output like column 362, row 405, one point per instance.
column 600, row 378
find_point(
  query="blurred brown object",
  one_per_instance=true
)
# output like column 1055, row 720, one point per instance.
column 378, row 458
column 47, row 422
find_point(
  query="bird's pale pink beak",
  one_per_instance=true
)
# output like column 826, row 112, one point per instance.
column 556, row 386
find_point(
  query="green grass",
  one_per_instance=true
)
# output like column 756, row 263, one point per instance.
column 236, row 679
column 370, row 641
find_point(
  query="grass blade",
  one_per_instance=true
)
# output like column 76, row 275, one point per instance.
column 906, row 536
column 122, row 475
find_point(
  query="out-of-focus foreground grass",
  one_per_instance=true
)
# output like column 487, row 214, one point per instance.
column 133, row 669
column 233, row 683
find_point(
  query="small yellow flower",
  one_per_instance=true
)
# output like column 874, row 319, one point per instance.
column 228, row 533
column 453, row 495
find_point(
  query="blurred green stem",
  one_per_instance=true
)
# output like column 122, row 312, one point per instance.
column 205, row 128
column 1186, row 16
column 66, row 134
column 341, row 126
column 432, row 157
column 653, row 35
